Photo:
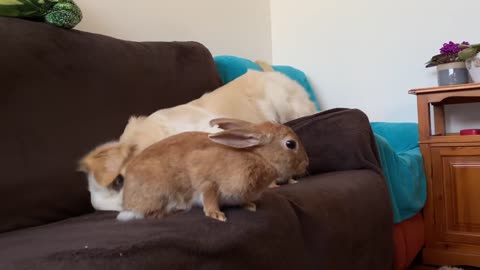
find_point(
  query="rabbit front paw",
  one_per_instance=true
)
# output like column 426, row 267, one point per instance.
column 273, row 185
column 291, row 181
column 215, row 214
column 250, row 207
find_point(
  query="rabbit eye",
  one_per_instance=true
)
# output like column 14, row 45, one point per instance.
column 291, row 144
column 117, row 184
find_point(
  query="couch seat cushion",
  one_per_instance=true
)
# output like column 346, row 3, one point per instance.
column 314, row 224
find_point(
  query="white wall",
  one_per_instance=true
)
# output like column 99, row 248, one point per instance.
column 364, row 54
column 225, row 26
column 368, row 54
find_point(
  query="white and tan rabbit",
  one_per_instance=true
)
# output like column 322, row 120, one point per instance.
column 231, row 167
column 254, row 96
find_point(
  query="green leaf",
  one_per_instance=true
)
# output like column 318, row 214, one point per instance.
column 467, row 53
column 10, row 2
column 9, row 12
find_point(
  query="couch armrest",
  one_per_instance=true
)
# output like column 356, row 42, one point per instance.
column 336, row 140
column 401, row 136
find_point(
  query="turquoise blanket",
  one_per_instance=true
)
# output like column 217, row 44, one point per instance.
column 402, row 165
column 397, row 143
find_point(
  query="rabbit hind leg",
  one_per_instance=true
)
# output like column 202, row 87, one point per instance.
column 211, row 206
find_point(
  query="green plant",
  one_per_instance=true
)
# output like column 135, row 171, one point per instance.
column 468, row 51
column 454, row 52
column 448, row 54
column 63, row 13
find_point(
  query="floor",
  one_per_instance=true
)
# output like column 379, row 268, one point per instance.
column 417, row 264
column 424, row 267
column 420, row 267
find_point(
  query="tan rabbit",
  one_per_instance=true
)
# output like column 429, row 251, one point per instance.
column 232, row 167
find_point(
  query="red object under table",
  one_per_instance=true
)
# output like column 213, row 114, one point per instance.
column 409, row 238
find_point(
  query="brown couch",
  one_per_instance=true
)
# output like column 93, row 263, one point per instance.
column 63, row 92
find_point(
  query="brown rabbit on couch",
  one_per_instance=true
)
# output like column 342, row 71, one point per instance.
column 232, row 167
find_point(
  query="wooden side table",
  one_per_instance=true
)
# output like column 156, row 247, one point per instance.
column 452, row 166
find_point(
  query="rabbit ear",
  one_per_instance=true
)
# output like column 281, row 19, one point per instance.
column 229, row 123
column 106, row 161
column 237, row 138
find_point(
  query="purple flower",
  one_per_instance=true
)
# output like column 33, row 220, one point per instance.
column 452, row 47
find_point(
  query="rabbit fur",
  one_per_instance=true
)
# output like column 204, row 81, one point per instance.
column 254, row 97
column 232, row 167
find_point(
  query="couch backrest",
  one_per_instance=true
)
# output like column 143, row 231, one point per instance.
column 64, row 92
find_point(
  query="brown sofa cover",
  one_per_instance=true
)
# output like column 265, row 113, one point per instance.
column 65, row 91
